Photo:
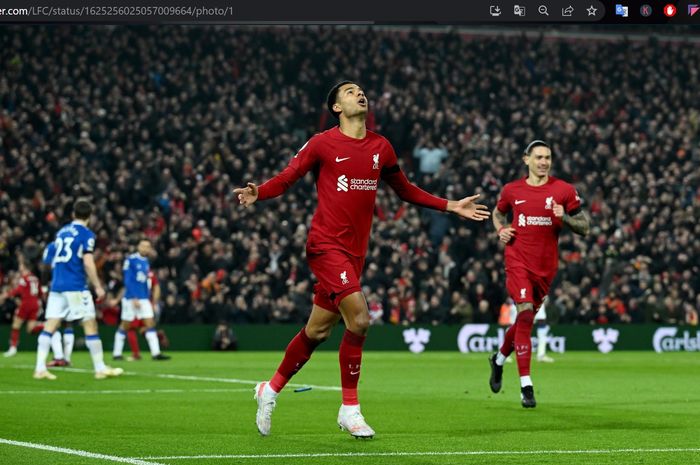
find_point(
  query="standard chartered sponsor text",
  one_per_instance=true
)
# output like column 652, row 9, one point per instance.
column 96, row 12
column 539, row 221
column 363, row 184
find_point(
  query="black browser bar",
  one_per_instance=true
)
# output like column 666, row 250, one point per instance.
column 357, row 12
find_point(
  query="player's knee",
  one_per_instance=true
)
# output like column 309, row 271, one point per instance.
column 90, row 327
column 359, row 324
column 318, row 334
column 323, row 335
column 526, row 317
column 524, row 306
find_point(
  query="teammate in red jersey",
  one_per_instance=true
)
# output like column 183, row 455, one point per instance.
column 348, row 162
column 28, row 289
column 541, row 205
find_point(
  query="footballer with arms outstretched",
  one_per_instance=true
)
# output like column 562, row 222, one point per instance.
column 348, row 162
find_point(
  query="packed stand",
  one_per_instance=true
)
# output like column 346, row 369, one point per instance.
column 157, row 125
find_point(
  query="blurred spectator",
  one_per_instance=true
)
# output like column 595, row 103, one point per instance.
column 483, row 313
column 376, row 310
column 224, row 338
column 429, row 155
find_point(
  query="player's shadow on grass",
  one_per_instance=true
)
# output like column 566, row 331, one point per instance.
column 546, row 418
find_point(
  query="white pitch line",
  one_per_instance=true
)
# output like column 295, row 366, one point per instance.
column 126, row 391
column 80, row 453
column 185, row 377
column 418, row 454
column 240, row 381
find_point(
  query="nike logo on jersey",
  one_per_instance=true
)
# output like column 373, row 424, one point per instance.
column 338, row 160
column 353, row 373
column 518, row 202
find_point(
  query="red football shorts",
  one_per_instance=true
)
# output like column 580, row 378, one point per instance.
column 524, row 286
column 27, row 312
column 338, row 274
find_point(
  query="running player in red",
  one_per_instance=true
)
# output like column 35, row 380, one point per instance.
column 28, row 289
column 541, row 205
column 348, row 162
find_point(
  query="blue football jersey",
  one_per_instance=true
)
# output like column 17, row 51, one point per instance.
column 136, row 277
column 49, row 253
column 71, row 243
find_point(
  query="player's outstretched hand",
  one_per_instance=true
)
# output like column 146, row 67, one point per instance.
column 467, row 208
column 247, row 195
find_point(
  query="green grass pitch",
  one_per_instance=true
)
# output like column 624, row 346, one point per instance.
column 432, row 408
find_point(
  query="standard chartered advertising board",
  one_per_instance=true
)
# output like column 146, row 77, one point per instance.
column 488, row 338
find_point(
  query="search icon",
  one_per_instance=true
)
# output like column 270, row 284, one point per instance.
column 543, row 10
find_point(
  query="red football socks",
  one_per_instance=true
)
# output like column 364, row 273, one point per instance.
column 37, row 329
column 508, row 341
column 298, row 353
column 350, row 356
column 523, row 343
column 133, row 343
column 14, row 338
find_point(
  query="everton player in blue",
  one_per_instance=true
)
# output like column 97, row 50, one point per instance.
column 62, row 347
column 136, row 301
column 69, row 298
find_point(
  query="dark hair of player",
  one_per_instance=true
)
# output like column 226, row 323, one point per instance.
column 333, row 96
column 536, row 143
column 82, row 209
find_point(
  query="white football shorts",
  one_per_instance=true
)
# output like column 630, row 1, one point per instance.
column 130, row 312
column 70, row 306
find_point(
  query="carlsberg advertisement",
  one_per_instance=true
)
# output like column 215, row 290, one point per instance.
column 605, row 339
column 487, row 338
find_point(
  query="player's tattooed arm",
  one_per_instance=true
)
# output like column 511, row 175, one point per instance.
column 499, row 219
column 579, row 223
column 503, row 229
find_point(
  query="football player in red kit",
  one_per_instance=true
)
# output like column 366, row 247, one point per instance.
column 28, row 290
column 541, row 205
column 348, row 162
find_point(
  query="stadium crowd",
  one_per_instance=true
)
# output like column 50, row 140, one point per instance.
column 157, row 125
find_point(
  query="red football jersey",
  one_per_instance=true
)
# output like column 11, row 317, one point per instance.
column 535, row 245
column 152, row 280
column 347, row 174
column 152, row 283
column 29, row 291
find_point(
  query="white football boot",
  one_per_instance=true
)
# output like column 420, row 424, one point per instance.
column 44, row 375
column 109, row 372
column 11, row 352
column 266, row 404
column 350, row 419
